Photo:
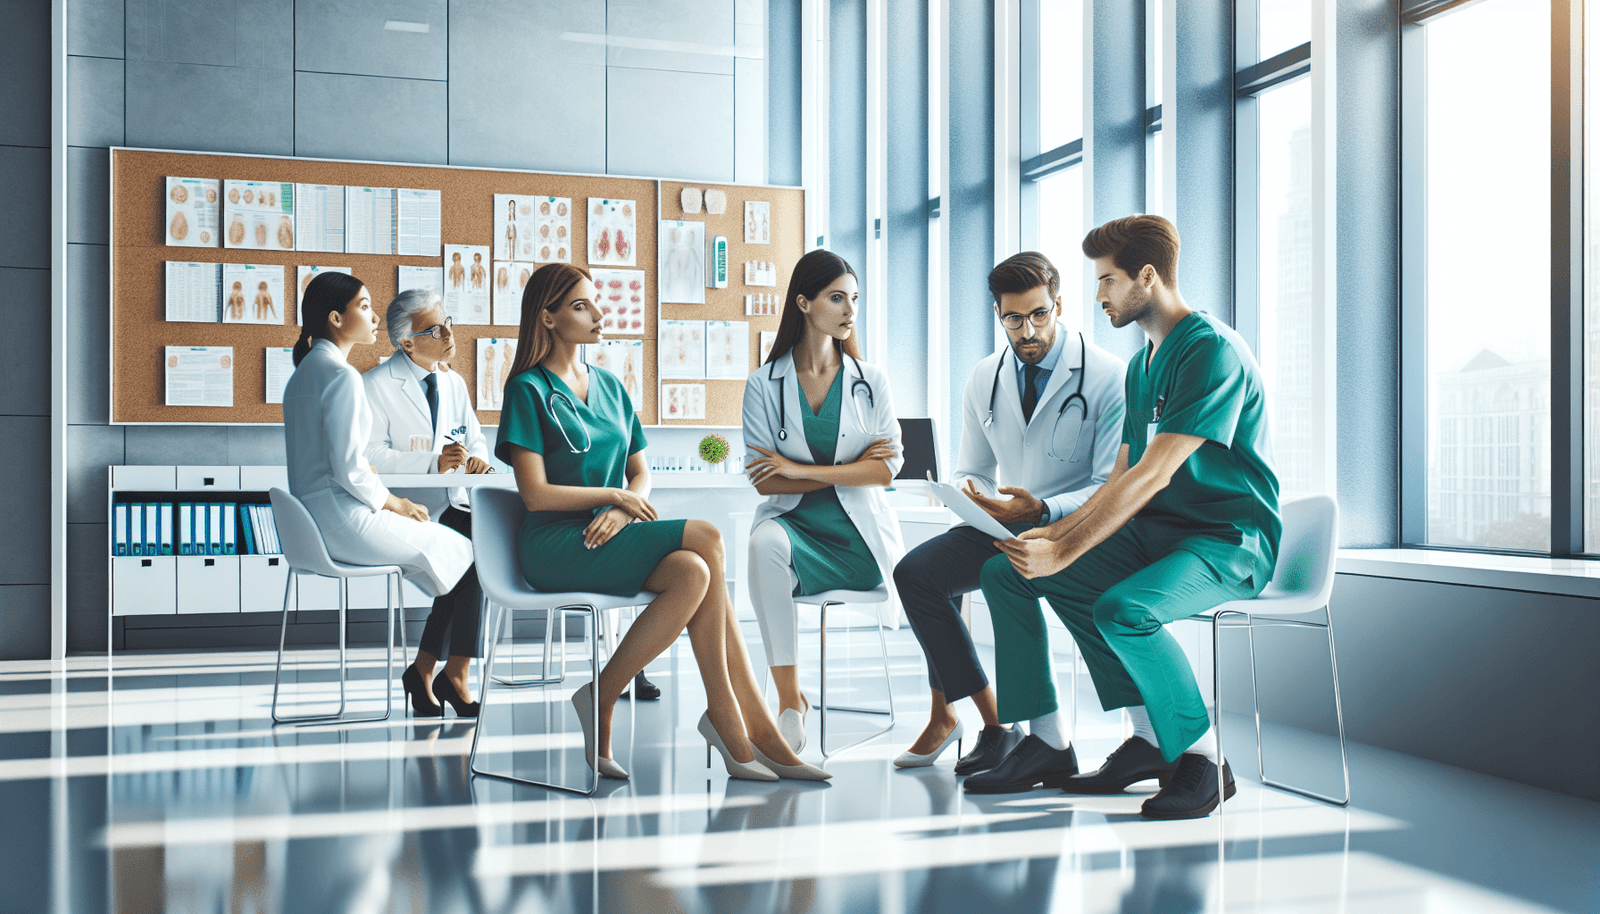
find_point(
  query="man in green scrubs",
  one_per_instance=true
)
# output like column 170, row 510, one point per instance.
column 1188, row 520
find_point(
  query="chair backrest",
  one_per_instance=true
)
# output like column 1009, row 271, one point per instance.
column 920, row 442
column 497, row 516
column 1307, row 551
column 299, row 537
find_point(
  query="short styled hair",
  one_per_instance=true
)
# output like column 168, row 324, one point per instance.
column 1021, row 272
column 1134, row 241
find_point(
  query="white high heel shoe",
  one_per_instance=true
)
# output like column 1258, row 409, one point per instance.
column 583, row 703
column 910, row 759
column 749, row 771
column 792, row 726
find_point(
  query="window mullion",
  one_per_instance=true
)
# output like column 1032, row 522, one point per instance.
column 1566, row 277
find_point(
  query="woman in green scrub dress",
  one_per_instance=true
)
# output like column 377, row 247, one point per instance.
column 823, row 442
column 571, row 436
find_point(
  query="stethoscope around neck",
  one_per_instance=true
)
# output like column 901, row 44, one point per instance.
column 1076, row 396
column 550, row 404
column 860, row 381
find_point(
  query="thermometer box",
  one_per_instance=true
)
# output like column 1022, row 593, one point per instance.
column 717, row 263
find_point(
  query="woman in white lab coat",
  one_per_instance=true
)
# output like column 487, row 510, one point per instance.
column 326, row 425
column 822, row 443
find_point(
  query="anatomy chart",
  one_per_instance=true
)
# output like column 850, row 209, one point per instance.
column 727, row 349
column 532, row 229
column 466, row 283
column 302, row 278
column 252, row 293
column 194, row 207
column 510, row 278
column 421, row 278
column 681, row 349
column 768, row 337
column 621, row 301
column 416, row 222
column 369, row 220
column 681, row 262
column 625, row 359
column 280, row 364
column 194, row 293
column 757, row 222
column 683, row 401
column 259, row 215
column 319, row 217
column 612, row 233
column 494, row 368
column 199, row 375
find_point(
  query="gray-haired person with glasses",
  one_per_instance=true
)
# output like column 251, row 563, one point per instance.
column 1041, row 422
column 423, row 422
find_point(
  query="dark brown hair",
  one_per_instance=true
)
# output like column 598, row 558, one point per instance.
column 811, row 274
column 1133, row 241
column 326, row 293
column 1021, row 272
column 545, row 291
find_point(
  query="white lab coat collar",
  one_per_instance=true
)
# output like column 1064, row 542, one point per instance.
column 1069, row 358
column 408, row 375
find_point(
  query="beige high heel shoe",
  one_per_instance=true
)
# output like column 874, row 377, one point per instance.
column 583, row 703
column 800, row 772
column 749, row 771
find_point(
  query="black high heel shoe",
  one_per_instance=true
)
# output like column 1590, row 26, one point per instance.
column 446, row 690
column 421, row 705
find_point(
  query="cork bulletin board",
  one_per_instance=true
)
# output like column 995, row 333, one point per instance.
column 139, row 330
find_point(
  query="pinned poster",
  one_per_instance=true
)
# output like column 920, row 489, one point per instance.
column 494, row 368
column 683, row 401
column 510, row 278
column 194, row 209
column 625, row 359
column 768, row 337
column 199, row 376
column 532, row 229
column 259, row 215
column 369, row 220
column 757, row 222
column 417, row 222
column 194, row 292
column 681, row 349
column 319, row 217
column 280, row 364
column 253, row 293
column 727, row 349
column 681, row 262
column 612, row 233
column 621, row 301
column 466, row 283
column 422, row 278
column 302, row 278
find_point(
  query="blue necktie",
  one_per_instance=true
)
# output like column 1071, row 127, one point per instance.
column 430, row 385
column 1030, row 390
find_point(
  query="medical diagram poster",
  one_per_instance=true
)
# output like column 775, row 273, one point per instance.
column 194, row 292
column 681, row 349
column 199, row 375
column 259, row 215
column 612, row 233
column 683, row 401
column 466, row 283
column 621, row 301
column 494, row 368
column 681, row 262
column 252, row 293
column 194, row 207
column 625, row 359
column 510, row 278
column 727, row 350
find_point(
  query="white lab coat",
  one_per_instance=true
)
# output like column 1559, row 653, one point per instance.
column 1007, row 452
column 403, row 442
column 867, row 506
column 326, row 425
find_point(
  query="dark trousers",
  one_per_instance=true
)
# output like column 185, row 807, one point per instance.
column 930, row 580
column 459, row 612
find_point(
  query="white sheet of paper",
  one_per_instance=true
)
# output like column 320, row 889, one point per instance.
column 757, row 222
column 494, row 368
column 968, row 510
column 319, row 217
column 199, row 375
column 625, row 359
column 417, row 222
column 369, row 220
column 768, row 337
column 302, row 278
column 422, row 278
column 280, row 364
column 466, row 283
column 259, row 215
column 612, row 231
column 194, row 292
column 727, row 349
column 681, row 349
column 683, row 401
column 194, row 212
column 622, row 303
column 510, row 278
column 681, row 262
column 252, row 293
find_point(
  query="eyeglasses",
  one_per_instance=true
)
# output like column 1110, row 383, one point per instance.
column 1038, row 318
column 437, row 331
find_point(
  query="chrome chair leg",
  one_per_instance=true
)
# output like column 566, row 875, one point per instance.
column 1338, row 711
column 338, row 716
column 545, row 677
column 822, row 698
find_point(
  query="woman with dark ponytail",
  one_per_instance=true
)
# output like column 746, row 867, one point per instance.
column 326, row 425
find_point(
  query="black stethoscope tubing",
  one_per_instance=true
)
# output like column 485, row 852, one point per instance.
column 783, row 418
column 550, row 404
column 1083, row 371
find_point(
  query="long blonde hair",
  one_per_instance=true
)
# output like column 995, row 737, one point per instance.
column 812, row 273
column 545, row 291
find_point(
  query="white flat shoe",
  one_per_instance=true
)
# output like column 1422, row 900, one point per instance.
column 913, row 760
column 800, row 772
column 750, row 771
column 792, row 727
column 583, row 703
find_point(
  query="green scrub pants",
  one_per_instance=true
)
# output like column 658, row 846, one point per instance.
column 1115, row 600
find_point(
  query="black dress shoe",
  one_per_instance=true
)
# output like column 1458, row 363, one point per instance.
column 421, row 704
column 994, row 744
column 1192, row 792
column 1135, row 760
column 643, row 689
column 1032, row 763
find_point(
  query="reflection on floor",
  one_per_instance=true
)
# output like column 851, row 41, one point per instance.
column 162, row 788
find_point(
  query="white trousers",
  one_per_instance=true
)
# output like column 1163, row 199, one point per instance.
column 772, row 583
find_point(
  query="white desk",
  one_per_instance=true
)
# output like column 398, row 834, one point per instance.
column 658, row 481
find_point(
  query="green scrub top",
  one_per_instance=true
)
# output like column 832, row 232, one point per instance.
column 826, row 550
column 1223, row 502
column 542, row 414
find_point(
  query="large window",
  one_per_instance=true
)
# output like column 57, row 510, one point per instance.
column 1061, row 231
column 1060, row 73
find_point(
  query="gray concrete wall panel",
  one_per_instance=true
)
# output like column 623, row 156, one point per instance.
column 405, row 38
column 25, row 199
column 89, row 345
column 210, row 109
column 253, row 34
column 703, row 30
column 25, row 72
column 669, row 125
column 25, row 378
column 24, row 552
column 367, row 117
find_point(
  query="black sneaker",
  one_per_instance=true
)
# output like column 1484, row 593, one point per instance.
column 1135, row 760
column 1192, row 792
column 994, row 744
column 1032, row 763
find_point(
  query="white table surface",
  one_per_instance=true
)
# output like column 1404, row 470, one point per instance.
column 507, row 480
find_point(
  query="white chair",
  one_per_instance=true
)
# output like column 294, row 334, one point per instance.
column 1301, row 584
column 307, row 554
column 827, row 598
column 497, row 515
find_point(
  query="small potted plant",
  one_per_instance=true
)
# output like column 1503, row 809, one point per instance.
column 714, row 450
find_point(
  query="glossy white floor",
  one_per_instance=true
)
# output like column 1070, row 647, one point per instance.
column 162, row 788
